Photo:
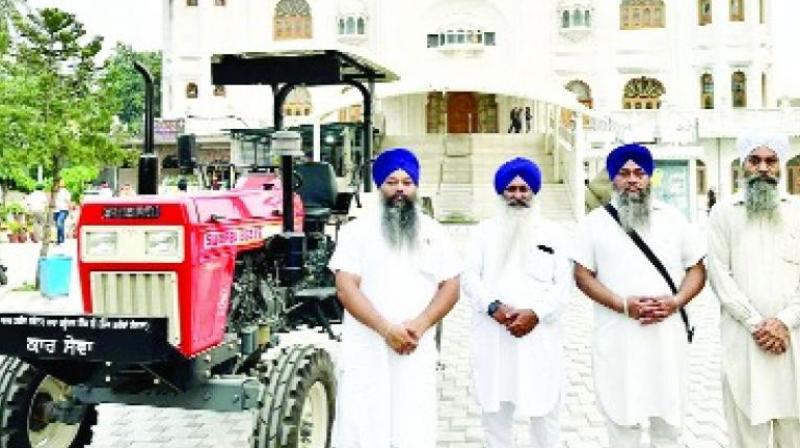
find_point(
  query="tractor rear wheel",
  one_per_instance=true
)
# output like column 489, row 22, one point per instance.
column 25, row 394
column 299, row 400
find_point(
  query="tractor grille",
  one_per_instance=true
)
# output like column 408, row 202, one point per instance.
column 145, row 294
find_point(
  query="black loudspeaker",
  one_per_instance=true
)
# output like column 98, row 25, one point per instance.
column 187, row 151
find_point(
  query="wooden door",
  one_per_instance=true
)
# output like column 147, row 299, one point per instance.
column 462, row 113
column 794, row 179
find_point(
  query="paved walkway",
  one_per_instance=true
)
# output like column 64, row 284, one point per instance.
column 459, row 422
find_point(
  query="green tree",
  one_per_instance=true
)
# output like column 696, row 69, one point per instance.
column 126, row 85
column 68, row 95
column 17, row 122
column 9, row 11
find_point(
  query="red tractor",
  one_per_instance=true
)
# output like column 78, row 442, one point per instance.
column 185, row 296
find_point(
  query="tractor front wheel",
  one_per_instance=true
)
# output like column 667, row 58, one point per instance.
column 26, row 393
column 299, row 400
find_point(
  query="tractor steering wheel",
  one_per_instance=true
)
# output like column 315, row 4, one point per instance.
column 297, row 178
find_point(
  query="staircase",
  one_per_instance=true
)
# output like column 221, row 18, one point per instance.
column 457, row 172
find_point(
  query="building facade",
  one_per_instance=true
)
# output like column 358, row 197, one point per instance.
column 685, row 76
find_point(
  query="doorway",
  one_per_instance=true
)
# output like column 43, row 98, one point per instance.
column 462, row 113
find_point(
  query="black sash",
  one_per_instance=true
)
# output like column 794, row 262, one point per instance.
column 657, row 264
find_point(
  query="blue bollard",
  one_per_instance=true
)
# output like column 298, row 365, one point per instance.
column 54, row 275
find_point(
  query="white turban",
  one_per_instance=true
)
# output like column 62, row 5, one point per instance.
column 749, row 141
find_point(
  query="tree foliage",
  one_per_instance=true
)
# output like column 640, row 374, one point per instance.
column 57, row 109
column 126, row 86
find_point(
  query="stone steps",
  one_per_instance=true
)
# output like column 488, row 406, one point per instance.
column 458, row 171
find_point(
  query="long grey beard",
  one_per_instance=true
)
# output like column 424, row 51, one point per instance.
column 400, row 222
column 633, row 209
column 516, row 234
column 761, row 197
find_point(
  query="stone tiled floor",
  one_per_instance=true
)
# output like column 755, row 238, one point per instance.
column 459, row 422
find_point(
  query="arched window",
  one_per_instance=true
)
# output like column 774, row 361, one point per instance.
column 737, row 10
column 350, row 27
column 565, row 19
column 191, row 90
column 640, row 14
column 341, row 26
column 658, row 18
column 361, row 26
column 292, row 20
column 298, row 103
column 642, row 93
column 703, row 12
column 582, row 92
column 707, row 91
column 739, row 89
column 577, row 18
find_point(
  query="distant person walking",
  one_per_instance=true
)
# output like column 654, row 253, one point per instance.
column 105, row 191
column 512, row 120
column 712, row 199
column 37, row 205
column 62, row 204
column 528, row 117
column 517, row 120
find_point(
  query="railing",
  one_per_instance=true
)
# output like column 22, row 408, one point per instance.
column 568, row 155
column 731, row 122
column 687, row 127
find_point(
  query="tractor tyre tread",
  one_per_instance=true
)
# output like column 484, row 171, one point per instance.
column 18, row 382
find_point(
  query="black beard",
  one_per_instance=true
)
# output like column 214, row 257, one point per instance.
column 517, row 203
column 761, row 196
column 400, row 223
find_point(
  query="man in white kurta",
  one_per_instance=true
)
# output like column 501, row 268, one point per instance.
column 394, row 285
column 517, row 280
column 754, row 268
column 639, row 342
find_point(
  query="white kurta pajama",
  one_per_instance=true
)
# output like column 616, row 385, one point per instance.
column 386, row 400
column 640, row 371
column 528, row 372
column 754, row 269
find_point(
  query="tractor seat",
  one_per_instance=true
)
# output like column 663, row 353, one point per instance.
column 318, row 190
column 317, row 213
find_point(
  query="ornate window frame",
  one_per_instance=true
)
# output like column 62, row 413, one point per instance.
column 642, row 14
column 292, row 19
column 643, row 93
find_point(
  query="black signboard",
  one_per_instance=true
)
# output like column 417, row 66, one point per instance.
column 84, row 338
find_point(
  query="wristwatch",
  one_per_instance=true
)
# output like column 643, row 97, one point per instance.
column 493, row 307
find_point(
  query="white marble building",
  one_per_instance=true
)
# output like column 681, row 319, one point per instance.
column 683, row 75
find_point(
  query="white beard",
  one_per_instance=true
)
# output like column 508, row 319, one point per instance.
column 515, row 235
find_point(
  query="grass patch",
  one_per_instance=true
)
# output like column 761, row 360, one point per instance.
column 26, row 287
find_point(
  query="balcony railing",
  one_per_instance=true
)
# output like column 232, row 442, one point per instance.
column 687, row 127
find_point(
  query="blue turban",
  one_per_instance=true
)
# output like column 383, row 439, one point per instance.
column 392, row 160
column 620, row 156
column 518, row 166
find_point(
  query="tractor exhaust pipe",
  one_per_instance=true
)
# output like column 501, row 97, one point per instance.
column 148, row 160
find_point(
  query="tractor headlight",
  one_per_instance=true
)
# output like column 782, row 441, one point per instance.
column 162, row 242
column 101, row 243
